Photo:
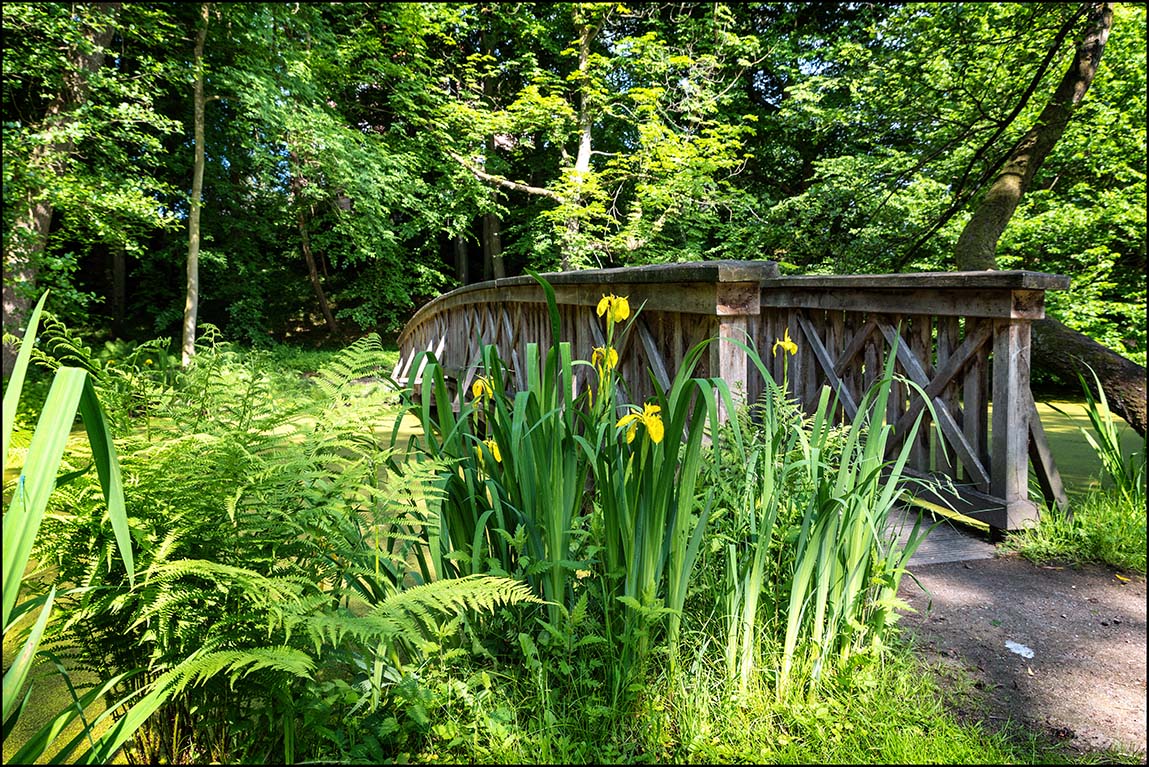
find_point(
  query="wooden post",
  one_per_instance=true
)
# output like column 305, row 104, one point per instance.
column 1009, row 455
column 735, row 303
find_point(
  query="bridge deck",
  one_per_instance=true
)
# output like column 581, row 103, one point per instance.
column 949, row 542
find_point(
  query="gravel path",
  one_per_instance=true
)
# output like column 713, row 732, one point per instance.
column 1060, row 650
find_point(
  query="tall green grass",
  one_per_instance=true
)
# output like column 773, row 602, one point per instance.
column 516, row 495
column 835, row 595
column 516, row 503
column 646, row 469
column 1126, row 474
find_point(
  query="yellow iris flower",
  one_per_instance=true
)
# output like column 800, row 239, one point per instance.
column 786, row 344
column 615, row 307
column 491, row 446
column 604, row 359
column 482, row 388
column 649, row 418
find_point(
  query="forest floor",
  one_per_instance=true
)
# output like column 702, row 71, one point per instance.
column 1060, row 651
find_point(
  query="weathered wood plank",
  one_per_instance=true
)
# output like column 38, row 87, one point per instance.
column 793, row 364
column 947, row 341
column 975, row 424
column 827, row 364
column 1048, row 477
column 1009, row 456
column 728, row 362
column 871, row 362
column 653, row 355
column 921, row 346
column 896, row 400
column 946, row 421
column 987, row 302
column 971, row 346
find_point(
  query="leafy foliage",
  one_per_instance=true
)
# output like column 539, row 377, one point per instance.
column 271, row 541
column 396, row 139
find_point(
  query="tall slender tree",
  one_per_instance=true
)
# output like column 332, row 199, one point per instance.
column 191, row 301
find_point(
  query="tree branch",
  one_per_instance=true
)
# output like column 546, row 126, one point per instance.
column 514, row 186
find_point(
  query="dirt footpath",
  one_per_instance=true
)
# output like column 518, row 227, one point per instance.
column 1059, row 650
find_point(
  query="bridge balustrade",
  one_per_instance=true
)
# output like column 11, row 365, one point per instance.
column 964, row 339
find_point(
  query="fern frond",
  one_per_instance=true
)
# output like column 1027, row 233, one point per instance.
column 362, row 359
column 420, row 604
column 198, row 669
column 411, row 616
column 60, row 346
column 261, row 590
column 179, row 594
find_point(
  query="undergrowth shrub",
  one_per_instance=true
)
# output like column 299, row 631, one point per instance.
column 275, row 554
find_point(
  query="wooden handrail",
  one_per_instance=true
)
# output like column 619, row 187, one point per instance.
column 963, row 337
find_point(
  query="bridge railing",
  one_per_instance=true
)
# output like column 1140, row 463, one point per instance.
column 964, row 338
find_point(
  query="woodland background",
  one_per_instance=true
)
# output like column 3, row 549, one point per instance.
column 357, row 159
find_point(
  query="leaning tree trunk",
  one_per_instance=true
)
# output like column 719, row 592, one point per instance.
column 29, row 234
column 1065, row 352
column 977, row 244
column 1056, row 348
column 306, row 211
column 493, row 266
column 312, row 271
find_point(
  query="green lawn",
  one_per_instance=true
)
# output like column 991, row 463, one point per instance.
column 1078, row 464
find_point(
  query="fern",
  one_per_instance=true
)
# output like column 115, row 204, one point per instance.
column 59, row 346
column 275, row 534
column 363, row 359
column 411, row 616
column 237, row 664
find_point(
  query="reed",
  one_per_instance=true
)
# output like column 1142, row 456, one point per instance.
column 71, row 392
column 847, row 563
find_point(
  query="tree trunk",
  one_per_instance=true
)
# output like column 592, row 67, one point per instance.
column 493, row 267
column 309, row 257
column 1056, row 348
column 24, row 245
column 297, row 182
column 462, row 273
column 1065, row 352
column 29, row 233
column 977, row 245
column 191, row 302
column 119, row 288
column 586, row 32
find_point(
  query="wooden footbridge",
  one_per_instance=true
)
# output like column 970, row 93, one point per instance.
column 965, row 339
